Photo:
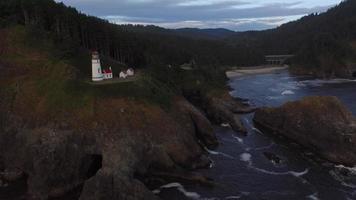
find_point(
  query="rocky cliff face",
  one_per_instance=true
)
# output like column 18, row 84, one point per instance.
column 322, row 124
column 225, row 109
column 103, row 152
column 63, row 135
column 221, row 107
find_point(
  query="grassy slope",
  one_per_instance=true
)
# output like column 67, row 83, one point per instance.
column 42, row 86
column 45, row 86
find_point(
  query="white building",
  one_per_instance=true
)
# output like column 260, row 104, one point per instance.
column 96, row 67
column 130, row 72
column 107, row 73
column 122, row 75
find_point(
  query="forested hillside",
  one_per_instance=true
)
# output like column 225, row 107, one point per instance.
column 137, row 46
column 321, row 42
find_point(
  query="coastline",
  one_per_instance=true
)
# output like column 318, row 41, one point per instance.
column 242, row 71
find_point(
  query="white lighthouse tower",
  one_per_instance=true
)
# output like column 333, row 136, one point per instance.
column 97, row 74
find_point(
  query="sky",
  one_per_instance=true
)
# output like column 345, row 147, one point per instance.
column 237, row 15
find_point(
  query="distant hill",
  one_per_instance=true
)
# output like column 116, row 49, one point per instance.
column 339, row 21
column 318, row 40
column 218, row 33
column 134, row 45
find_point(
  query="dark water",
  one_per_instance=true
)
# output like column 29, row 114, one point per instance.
column 241, row 167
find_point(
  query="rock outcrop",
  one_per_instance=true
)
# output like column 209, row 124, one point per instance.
column 321, row 124
column 226, row 109
column 104, row 152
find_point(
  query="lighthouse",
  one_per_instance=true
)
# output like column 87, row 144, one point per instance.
column 96, row 67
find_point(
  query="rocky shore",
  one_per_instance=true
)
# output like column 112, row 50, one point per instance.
column 115, row 152
column 225, row 109
column 62, row 138
column 321, row 124
column 325, row 72
column 264, row 69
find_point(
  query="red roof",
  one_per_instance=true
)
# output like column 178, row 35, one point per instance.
column 107, row 71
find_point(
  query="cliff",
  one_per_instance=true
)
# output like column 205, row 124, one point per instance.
column 64, row 135
column 121, row 139
column 322, row 124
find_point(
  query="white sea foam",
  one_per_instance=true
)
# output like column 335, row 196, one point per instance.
column 273, row 97
column 211, row 151
column 286, row 78
column 247, row 122
column 192, row 195
column 233, row 197
column 287, row 92
column 157, row 191
column 341, row 178
column 264, row 147
column 291, row 85
column 238, row 139
column 300, row 84
column 218, row 153
column 212, row 163
column 298, row 174
column 171, row 185
column 313, row 196
column 225, row 125
column 352, row 170
column 257, row 130
column 179, row 187
column 245, row 193
column 294, row 173
column 246, row 157
column 273, row 89
column 319, row 82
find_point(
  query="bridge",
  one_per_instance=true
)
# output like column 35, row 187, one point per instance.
column 277, row 59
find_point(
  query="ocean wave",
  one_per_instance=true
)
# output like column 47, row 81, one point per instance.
column 293, row 173
column 313, row 196
column 225, row 125
column 264, row 147
column 257, row 130
column 291, row 85
column 247, row 121
column 233, row 197
column 238, row 139
column 319, row 82
column 298, row 174
column 352, row 170
column 286, row 78
column 218, row 153
column 212, row 163
column 273, row 89
column 273, row 97
column 246, row 157
column 280, row 87
column 179, row 187
column 342, row 178
column 287, row 92
column 300, row 84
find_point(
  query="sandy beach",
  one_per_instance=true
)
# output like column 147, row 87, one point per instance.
column 254, row 70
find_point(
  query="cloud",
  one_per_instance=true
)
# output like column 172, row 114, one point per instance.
column 239, row 24
column 238, row 15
